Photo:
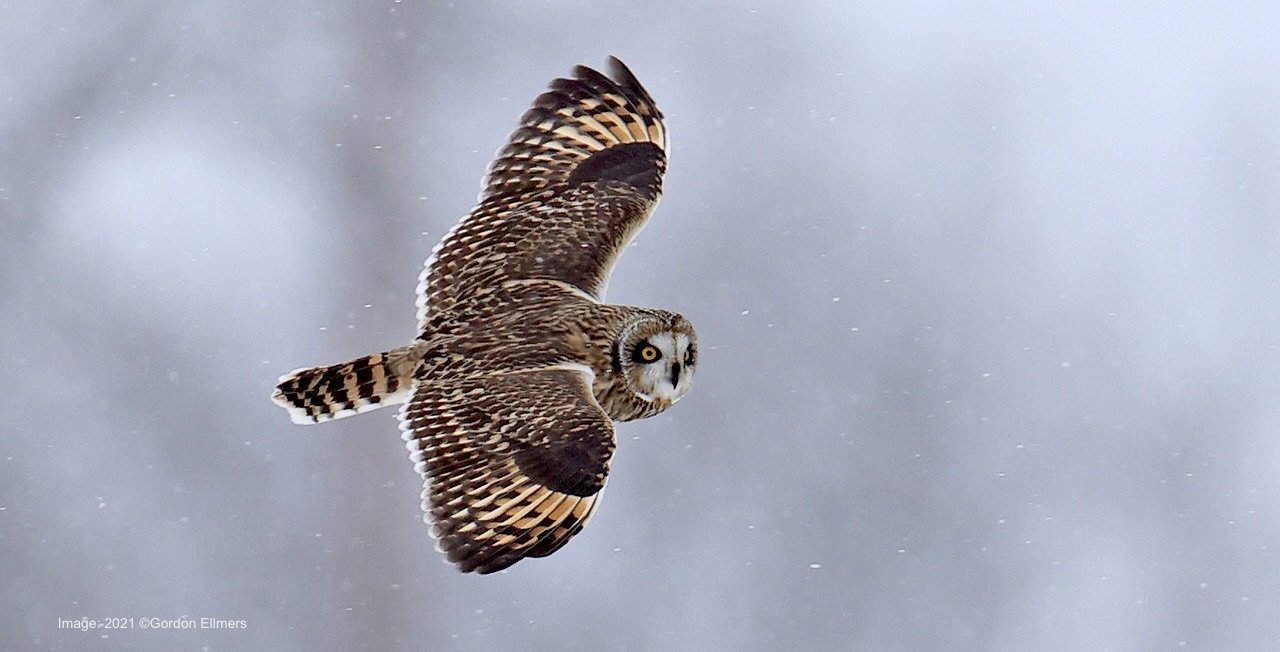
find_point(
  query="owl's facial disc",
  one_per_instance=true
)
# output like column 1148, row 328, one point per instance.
column 662, row 365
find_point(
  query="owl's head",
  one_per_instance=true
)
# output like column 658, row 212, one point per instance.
column 658, row 354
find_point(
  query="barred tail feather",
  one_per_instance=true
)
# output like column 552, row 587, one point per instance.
column 318, row 394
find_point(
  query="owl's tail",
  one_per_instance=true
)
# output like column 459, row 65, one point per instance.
column 317, row 394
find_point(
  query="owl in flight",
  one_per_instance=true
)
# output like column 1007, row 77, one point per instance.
column 520, row 368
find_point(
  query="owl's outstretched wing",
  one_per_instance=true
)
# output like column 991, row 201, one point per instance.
column 513, row 463
column 567, row 193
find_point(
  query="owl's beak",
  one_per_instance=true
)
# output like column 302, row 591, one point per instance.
column 675, row 375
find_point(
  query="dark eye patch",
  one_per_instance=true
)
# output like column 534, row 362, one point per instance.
column 645, row 353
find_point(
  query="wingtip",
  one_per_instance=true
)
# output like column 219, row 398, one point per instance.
column 620, row 72
column 614, row 71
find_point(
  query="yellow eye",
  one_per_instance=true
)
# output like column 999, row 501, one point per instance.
column 648, row 353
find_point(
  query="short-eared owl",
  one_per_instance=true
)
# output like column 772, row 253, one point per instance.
column 520, row 368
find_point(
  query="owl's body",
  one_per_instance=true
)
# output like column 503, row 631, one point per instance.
column 519, row 369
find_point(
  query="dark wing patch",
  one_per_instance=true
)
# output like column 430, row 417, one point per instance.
column 513, row 463
column 582, row 172
column 567, row 467
column 635, row 164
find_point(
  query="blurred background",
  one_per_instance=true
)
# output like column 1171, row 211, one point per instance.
column 987, row 296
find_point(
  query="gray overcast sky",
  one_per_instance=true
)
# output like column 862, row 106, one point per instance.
column 987, row 296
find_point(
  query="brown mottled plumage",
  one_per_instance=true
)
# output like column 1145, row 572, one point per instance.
column 520, row 370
